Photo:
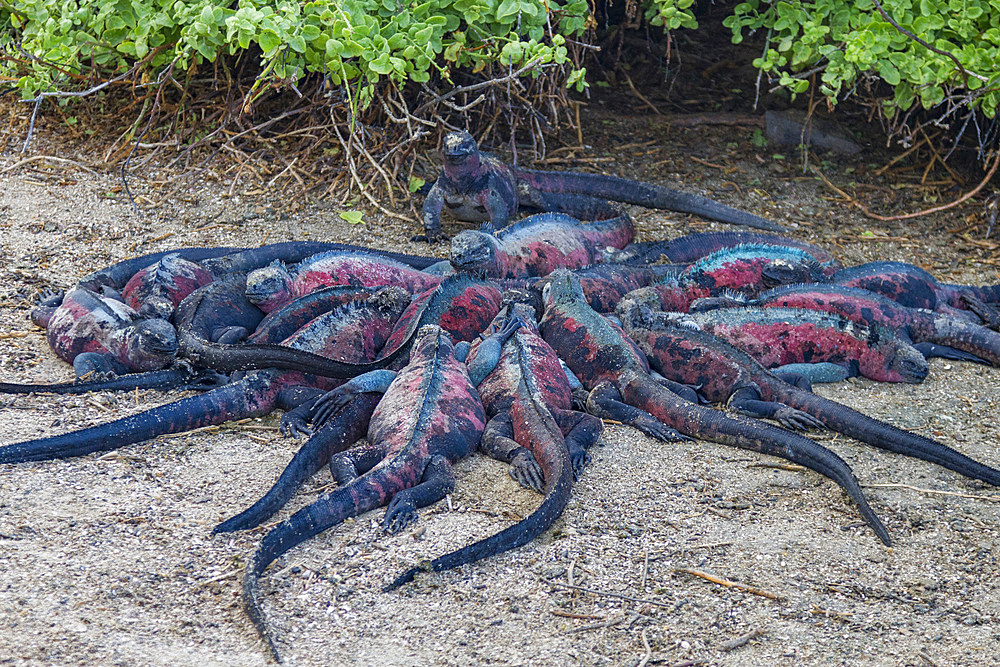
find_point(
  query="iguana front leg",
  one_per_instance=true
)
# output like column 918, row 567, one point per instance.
column 432, row 215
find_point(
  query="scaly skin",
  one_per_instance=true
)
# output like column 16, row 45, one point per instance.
column 466, row 306
column 615, row 372
column 537, row 245
column 867, row 308
column 692, row 247
column 460, row 305
column 274, row 286
column 86, row 322
column 429, row 417
column 725, row 374
column 742, row 269
column 281, row 323
column 156, row 290
column 350, row 333
column 229, row 296
column 476, row 186
column 914, row 287
column 606, row 284
column 779, row 336
column 533, row 427
column 116, row 276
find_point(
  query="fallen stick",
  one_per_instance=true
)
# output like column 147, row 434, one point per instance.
column 730, row 584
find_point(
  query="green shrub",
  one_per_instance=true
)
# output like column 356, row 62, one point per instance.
column 846, row 41
column 358, row 42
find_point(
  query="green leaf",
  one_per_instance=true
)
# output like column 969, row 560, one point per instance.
column 354, row 217
column 268, row 40
column 415, row 184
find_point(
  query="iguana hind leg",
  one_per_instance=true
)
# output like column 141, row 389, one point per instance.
column 437, row 482
column 498, row 443
column 605, row 402
column 581, row 432
column 355, row 462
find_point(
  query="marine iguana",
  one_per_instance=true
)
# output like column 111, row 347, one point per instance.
column 429, row 417
column 692, row 247
column 934, row 334
column 156, row 290
column 355, row 331
column 615, row 372
column 780, row 336
column 273, row 286
column 916, row 288
column 464, row 305
column 476, row 186
column 99, row 334
column 538, row 244
column 531, row 426
column 741, row 269
column 726, row 374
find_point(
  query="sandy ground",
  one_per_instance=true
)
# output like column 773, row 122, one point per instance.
column 108, row 559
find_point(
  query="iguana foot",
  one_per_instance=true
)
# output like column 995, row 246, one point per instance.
column 430, row 237
column 660, row 431
column 796, row 419
column 986, row 312
column 293, row 425
column 526, row 472
column 580, row 396
column 329, row 404
column 400, row 514
column 579, row 460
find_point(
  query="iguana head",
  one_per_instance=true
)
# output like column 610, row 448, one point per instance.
column 460, row 154
column 474, row 252
column 783, row 271
column 269, row 287
column 891, row 359
column 150, row 344
column 562, row 288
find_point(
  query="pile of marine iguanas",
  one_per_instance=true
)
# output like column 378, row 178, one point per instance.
column 518, row 346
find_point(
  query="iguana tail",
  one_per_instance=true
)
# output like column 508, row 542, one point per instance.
column 844, row 420
column 363, row 494
column 167, row 378
column 250, row 356
column 247, row 398
column 964, row 335
column 345, row 428
column 707, row 424
column 642, row 194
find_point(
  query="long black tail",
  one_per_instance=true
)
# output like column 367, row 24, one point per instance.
column 218, row 406
column 642, row 194
column 330, row 510
column 167, row 378
column 708, row 424
column 251, row 356
column 844, row 420
column 346, row 427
